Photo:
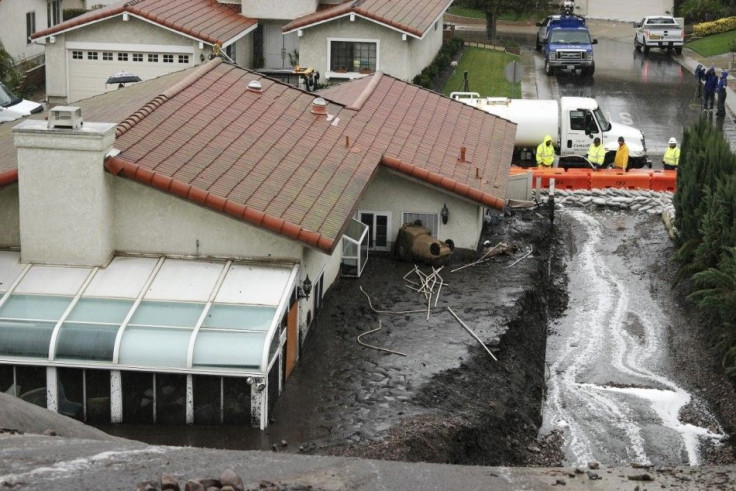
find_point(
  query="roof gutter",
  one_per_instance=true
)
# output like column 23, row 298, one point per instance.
column 443, row 182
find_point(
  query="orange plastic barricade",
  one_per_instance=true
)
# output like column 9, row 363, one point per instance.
column 546, row 174
column 664, row 180
column 610, row 178
column 573, row 179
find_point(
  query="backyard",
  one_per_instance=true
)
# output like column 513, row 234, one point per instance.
column 485, row 69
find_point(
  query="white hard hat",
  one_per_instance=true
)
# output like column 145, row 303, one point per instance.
column 673, row 140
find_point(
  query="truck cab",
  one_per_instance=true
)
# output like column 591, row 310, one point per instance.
column 568, row 45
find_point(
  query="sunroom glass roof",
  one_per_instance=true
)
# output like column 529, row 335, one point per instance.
column 157, row 313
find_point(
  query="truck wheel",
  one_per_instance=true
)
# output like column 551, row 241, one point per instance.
column 548, row 69
column 539, row 45
column 637, row 46
column 646, row 49
column 678, row 50
column 588, row 72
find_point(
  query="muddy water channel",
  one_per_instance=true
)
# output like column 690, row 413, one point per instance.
column 610, row 382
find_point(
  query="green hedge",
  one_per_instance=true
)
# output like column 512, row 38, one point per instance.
column 440, row 63
column 67, row 14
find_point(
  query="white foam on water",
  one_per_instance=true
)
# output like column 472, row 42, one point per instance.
column 596, row 321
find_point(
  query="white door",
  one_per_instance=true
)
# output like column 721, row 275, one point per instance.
column 626, row 10
column 277, row 46
column 379, row 224
column 89, row 69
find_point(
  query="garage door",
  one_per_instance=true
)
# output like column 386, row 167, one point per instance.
column 626, row 10
column 89, row 69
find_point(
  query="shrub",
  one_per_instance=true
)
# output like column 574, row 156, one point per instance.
column 715, row 27
column 702, row 10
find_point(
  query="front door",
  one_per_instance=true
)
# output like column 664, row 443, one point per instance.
column 378, row 224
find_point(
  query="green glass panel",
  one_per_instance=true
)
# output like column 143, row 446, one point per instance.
column 35, row 307
column 100, row 310
column 174, row 314
column 86, row 341
column 25, row 338
column 228, row 349
column 147, row 346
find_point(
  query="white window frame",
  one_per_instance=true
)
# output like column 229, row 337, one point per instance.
column 350, row 75
column 388, row 216
column 437, row 232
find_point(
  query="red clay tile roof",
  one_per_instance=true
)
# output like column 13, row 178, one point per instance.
column 204, row 20
column 267, row 159
column 413, row 17
column 110, row 107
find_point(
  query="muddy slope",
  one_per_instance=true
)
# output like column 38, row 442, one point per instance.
column 477, row 410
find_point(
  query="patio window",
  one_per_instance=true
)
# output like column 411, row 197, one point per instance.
column 355, row 244
column 352, row 56
column 429, row 220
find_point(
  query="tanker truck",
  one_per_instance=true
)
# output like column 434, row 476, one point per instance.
column 572, row 123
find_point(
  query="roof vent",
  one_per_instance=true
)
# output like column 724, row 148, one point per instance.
column 319, row 106
column 255, row 86
column 67, row 117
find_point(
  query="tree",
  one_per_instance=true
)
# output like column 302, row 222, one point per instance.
column 494, row 8
column 7, row 66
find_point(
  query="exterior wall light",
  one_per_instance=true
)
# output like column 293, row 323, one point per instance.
column 445, row 214
column 304, row 290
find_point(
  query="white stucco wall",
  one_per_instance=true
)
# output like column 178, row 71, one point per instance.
column 274, row 40
column 65, row 201
column 13, row 26
column 9, row 217
column 395, row 193
column 150, row 221
column 623, row 10
column 278, row 9
column 401, row 59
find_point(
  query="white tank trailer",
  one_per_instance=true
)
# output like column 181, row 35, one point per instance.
column 572, row 123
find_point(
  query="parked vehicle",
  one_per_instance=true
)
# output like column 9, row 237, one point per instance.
column 12, row 102
column 414, row 242
column 572, row 123
column 567, row 44
column 658, row 31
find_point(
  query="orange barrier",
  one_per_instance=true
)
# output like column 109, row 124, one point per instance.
column 545, row 174
column 573, row 179
column 664, row 180
column 610, row 178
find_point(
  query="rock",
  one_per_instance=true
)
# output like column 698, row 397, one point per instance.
column 284, row 443
column 593, row 465
column 146, row 486
column 49, row 433
column 641, row 477
column 560, row 482
column 169, row 482
column 227, row 488
column 193, row 486
column 230, row 478
column 593, row 476
column 213, row 488
column 210, row 483
column 533, row 448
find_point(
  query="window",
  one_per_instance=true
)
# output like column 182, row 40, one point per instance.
column 107, row 56
column 53, row 12
column 152, row 58
column 91, row 55
column 183, row 58
column 429, row 220
column 231, row 53
column 77, row 55
column 30, row 25
column 137, row 56
column 353, row 57
column 577, row 120
column 168, row 58
column 122, row 56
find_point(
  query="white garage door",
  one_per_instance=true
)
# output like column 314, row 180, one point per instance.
column 89, row 68
column 626, row 10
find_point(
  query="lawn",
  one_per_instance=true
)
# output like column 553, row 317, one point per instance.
column 715, row 44
column 485, row 74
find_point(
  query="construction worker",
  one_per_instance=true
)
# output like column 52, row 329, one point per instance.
column 671, row 156
column 596, row 153
column 621, row 161
column 709, row 89
column 546, row 153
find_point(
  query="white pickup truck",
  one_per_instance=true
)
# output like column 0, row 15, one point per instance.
column 658, row 31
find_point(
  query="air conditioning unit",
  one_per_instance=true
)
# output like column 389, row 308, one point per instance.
column 66, row 117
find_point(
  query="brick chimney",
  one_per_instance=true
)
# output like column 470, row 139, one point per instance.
column 64, row 194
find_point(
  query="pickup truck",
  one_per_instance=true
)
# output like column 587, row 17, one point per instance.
column 658, row 31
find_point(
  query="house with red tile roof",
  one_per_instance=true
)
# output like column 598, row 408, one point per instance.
column 195, row 200
column 355, row 37
column 147, row 38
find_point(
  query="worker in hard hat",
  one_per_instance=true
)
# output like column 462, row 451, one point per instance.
column 621, row 161
column 721, row 93
column 596, row 153
column 671, row 157
column 546, row 153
